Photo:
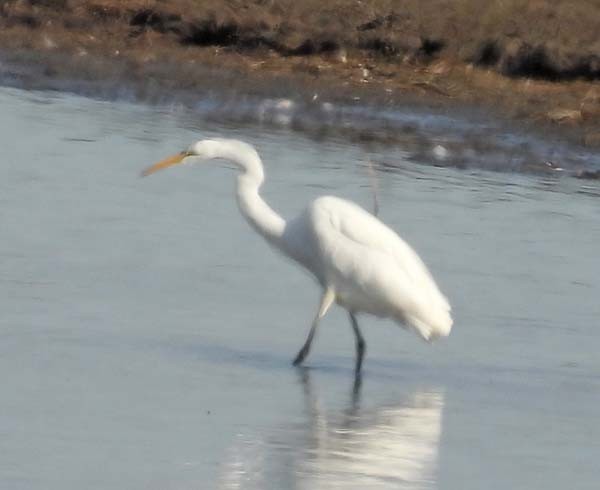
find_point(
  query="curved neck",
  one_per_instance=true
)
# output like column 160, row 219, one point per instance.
column 252, row 206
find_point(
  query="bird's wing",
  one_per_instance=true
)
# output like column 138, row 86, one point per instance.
column 358, row 247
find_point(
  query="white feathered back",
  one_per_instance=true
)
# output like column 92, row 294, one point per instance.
column 356, row 248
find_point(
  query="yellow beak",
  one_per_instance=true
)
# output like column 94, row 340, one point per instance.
column 167, row 162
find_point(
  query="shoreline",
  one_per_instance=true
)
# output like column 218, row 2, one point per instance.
column 103, row 48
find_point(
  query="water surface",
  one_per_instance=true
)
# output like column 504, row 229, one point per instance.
column 147, row 333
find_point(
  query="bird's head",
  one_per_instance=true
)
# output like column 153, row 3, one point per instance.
column 200, row 150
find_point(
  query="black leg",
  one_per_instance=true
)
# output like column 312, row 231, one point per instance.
column 306, row 347
column 356, row 389
column 326, row 302
column 360, row 343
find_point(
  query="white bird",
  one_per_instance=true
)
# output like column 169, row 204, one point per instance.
column 360, row 263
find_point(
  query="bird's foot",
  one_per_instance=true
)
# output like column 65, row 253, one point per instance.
column 358, row 367
column 300, row 357
column 357, row 383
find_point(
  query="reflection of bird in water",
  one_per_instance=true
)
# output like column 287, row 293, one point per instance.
column 360, row 263
column 394, row 446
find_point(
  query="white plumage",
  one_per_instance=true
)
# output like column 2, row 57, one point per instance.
column 362, row 264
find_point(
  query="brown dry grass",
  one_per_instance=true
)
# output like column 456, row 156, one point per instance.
column 547, row 39
column 528, row 58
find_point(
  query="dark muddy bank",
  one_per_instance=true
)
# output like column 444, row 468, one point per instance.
column 535, row 63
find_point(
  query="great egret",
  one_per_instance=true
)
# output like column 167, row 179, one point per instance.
column 360, row 263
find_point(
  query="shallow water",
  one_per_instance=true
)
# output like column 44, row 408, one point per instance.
column 147, row 333
column 445, row 135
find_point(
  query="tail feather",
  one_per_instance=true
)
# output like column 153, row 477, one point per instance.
column 436, row 326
